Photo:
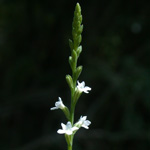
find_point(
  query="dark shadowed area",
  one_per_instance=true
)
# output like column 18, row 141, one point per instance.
column 34, row 55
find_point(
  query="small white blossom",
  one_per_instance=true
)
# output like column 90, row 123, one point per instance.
column 83, row 122
column 58, row 105
column 67, row 129
column 82, row 88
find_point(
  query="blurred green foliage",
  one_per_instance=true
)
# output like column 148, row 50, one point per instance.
column 33, row 60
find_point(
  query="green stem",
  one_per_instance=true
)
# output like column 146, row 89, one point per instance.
column 72, row 97
column 74, row 45
column 71, row 143
column 69, row 147
column 72, row 108
column 72, row 117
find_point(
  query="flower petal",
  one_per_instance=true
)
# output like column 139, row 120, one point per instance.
column 84, row 118
column 84, row 126
column 60, row 99
column 69, row 132
column 63, row 126
column 60, row 131
column 87, row 88
column 75, row 128
column 87, row 122
column 68, row 126
column 53, row 108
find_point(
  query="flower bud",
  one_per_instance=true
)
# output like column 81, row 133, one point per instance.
column 79, row 50
column 74, row 55
column 78, row 72
column 69, row 81
column 71, row 62
column 71, row 44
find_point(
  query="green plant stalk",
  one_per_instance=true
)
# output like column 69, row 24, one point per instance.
column 75, row 52
column 69, row 147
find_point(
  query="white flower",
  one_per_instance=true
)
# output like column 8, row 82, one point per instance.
column 58, row 105
column 83, row 122
column 67, row 129
column 82, row 88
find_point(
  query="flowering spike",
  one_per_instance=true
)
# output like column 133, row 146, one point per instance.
column 75, row 86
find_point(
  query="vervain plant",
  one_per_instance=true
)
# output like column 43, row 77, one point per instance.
column 75, row 86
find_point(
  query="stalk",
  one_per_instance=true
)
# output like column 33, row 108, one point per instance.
column 70, row 128
column 75, row 52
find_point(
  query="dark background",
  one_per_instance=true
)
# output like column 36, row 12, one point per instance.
column 34, row 61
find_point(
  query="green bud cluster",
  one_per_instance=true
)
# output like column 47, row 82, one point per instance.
column 77, row 28
column 75, row 47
